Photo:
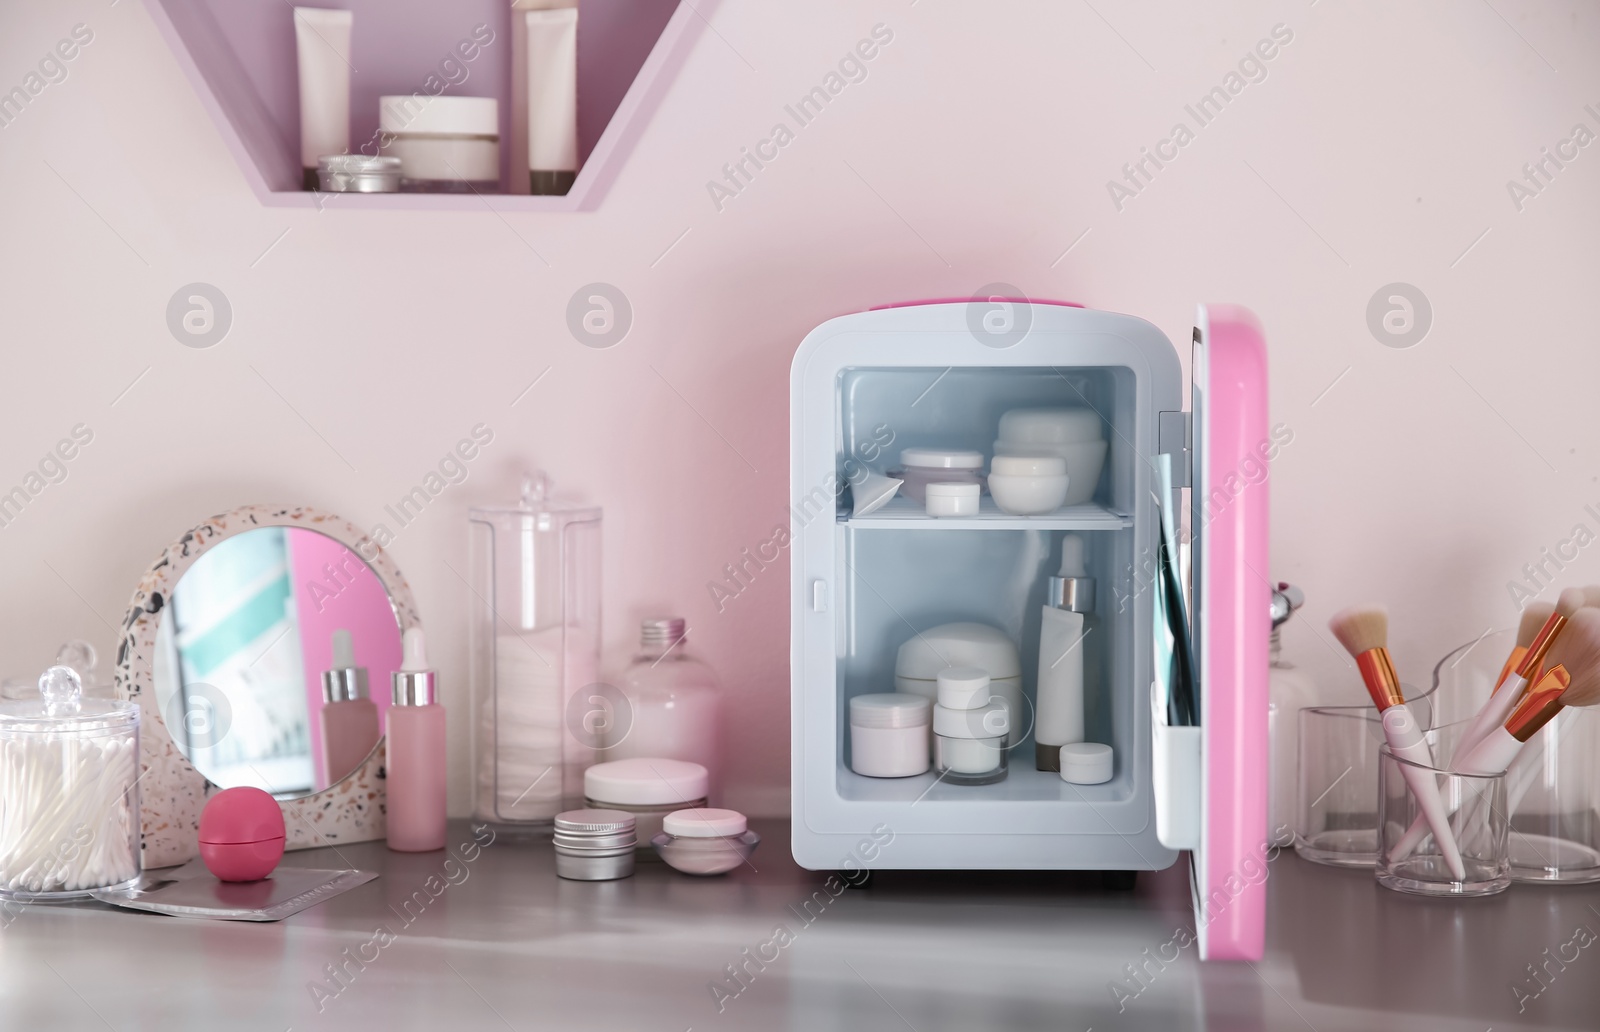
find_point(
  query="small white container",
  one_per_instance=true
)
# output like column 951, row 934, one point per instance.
column 705, row 842
column 647, row 787
column 947, row 499
column 1076, row 434
column 969, row 729
column 1051, row 426
column 1086, row 763
column 445, row 144
column 921, row 658
column 889, row 735
column 1028, row 485
column 923, row 466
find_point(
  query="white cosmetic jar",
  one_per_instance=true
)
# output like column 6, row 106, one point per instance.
column 647, row 787
column 969, row 746
column 1086, row 763
column 1028, row 485
column 445, row 144
column 1076, row 434
column 923, row 466
column 969, row 729
column 946, row 499
column 889, row 735
column 1051, row 426
column 922, row 657
column 705, row 842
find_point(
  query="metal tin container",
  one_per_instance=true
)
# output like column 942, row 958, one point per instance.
column 358, row 173
column 594, row 845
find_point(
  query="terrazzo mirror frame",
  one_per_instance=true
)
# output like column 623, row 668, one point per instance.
column 172, row 791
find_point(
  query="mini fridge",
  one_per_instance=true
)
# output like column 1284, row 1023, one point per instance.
column 866, row 386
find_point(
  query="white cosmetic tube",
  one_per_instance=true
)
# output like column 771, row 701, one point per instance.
column 552, row 72
column 1060, row 720
column 322, row 42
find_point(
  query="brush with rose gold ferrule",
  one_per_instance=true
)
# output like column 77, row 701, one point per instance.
column 1571, row 679
column 1496, row 711
column 1537, row 708
column 1364, row 632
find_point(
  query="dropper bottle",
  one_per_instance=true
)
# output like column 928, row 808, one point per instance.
column 349, row 717
column 416, row 766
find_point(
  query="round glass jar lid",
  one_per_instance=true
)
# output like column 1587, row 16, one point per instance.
column 60, row 708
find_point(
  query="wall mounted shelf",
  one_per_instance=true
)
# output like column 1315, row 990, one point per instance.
column 240, row 56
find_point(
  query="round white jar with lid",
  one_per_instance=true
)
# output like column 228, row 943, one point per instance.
column 1028, row 485
column 889, row 735
column 947, row 499
column 969, row 729
column 1086, row 763
column 923, row 466
column 706, row 841
column 647, row 787
column 445, row 144
column 922, row 656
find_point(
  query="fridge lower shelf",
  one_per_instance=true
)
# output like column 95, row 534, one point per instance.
column 1021, row 785
column 905, row 514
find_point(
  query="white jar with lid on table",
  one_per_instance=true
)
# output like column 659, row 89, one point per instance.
column 647, row 787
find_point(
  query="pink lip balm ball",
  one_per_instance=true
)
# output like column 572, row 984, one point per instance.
column 241, row 834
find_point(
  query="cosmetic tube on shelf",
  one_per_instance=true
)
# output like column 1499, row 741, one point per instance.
column 552, row 76
column 322, row 46
column 416, row 761
column 1063, row 631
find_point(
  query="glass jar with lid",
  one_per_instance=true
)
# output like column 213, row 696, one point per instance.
column 69, row 792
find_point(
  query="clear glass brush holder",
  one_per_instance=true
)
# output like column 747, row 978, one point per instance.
column 1337, row 817
column 1552, row 794
column 1477, row 822
column 538, row 714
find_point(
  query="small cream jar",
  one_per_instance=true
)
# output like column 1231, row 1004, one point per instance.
column 889, row 735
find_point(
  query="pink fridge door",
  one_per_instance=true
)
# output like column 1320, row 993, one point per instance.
column 1232, row 600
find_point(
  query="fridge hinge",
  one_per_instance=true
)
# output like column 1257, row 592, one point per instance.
column 1174, row 431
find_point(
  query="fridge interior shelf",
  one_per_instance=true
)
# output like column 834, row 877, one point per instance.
column 905, row 514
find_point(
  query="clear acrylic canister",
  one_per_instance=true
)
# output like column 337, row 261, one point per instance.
column 538, row 714
column 69, row 792
column 1552, row 789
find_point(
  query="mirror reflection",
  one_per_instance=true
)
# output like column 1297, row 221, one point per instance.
column 273, row 659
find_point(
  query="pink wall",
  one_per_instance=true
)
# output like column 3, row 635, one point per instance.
column 365, row 344
column 352, row 598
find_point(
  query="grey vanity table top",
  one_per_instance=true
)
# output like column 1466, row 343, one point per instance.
column 498, row 942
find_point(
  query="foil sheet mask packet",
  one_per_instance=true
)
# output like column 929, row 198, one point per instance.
column 192, row 891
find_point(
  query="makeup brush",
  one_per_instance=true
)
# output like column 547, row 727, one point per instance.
column 1539, row 628
column 1572, row 678
column 1364, row 632
column 1509, row 692
column 1533, row 619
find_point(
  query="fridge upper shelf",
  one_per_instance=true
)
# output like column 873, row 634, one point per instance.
column 905, row 514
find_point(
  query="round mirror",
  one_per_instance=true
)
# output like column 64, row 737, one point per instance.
column 272, row 661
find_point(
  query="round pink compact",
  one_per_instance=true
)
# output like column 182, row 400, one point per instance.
column 241, row 834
